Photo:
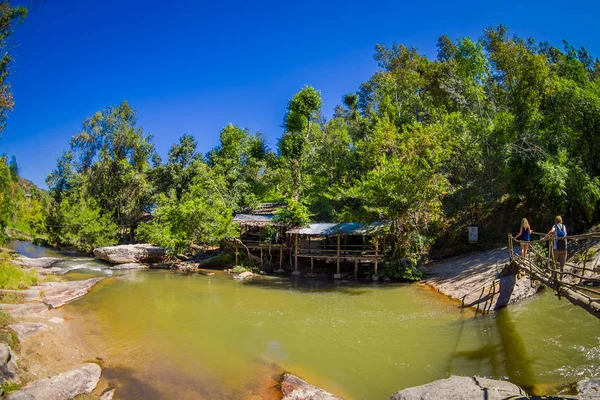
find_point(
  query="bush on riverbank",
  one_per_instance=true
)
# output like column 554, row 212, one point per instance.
column 404, row 269
column 14, row 277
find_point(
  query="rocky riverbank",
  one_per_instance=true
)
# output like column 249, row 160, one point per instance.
column 482, row 279
column 41, row 357
column 454, row 387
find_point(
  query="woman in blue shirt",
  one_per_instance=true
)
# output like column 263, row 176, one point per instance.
column 525, row 234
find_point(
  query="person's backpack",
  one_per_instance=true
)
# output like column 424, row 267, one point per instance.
column 561, row 243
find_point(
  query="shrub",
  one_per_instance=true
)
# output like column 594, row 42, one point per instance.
column 405, row 269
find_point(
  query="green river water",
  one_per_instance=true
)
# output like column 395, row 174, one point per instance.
column 169, row 335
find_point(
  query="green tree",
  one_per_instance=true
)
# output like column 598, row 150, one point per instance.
column 201, row 217
column 301, row 111
column 10, row 18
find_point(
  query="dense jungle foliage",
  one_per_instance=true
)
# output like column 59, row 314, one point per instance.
column 490, row 131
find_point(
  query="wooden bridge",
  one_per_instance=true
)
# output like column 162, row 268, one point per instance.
column 578, row 280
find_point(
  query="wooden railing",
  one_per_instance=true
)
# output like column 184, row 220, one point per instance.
column 578, row 279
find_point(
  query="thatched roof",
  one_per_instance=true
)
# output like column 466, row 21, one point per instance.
column 255, row 220
column 262, row 215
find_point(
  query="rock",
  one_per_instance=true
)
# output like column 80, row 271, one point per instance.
column 461, row 388
column 262, row 272
column 27, row 329
column 186, row 266
column 8, row 364
column 129, row 266
column 294, row 388
column 337, row 276
column 386, row 279
column 464, row 277
column 296, row 273
column 57, row 294
column 108, row 395
column 63, row 386
column 243, row 275
column 22, row 295
column 375, row 278
column 131, row 253
column 42, row 262
column 589, row 388
column 21, row 310
column 280, row 271
column 56, row 320
column 52, row 271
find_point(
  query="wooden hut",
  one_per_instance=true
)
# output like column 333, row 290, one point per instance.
column 260, row 233
column 350, row 242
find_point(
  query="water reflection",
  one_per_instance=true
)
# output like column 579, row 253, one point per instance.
column 500, row 350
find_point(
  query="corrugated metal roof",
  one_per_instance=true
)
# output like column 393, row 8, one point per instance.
column 314, row 229
column 347, row 228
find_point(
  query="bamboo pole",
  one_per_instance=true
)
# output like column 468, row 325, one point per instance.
column 281, row 257
column 376, row 252
column 585, row 257
column 296, row 253
column 337, row 274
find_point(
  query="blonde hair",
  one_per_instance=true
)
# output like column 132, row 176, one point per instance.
column 558, row 219
column 525, row 224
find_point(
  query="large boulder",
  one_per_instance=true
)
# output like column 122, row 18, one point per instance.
column 41, row 262
column 461, row 388
column 294, row 388
column 130, row 253
column 61, row 387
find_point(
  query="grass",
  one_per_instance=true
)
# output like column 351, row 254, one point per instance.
column 9, row 387
column 11, row 298
column 5, row 320
column 14, row 277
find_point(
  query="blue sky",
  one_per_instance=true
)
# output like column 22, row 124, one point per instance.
column 191, row 67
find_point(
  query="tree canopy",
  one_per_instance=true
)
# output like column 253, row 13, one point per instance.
column 493, row 129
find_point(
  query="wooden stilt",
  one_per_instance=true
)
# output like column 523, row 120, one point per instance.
column 281, row 257
column 312, row 263
column 296, row 253
column 338, row 275
column 376, row 252
column 261, row 258
column 355, row 268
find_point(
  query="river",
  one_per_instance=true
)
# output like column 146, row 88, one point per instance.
column 165, row 335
